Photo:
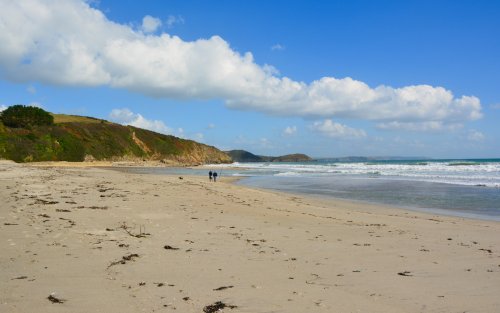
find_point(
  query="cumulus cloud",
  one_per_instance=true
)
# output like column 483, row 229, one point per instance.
column 3, row 107
column 91, row 50
column 150, row 24
column 336, row 130
column 428, row 126
column 126, row 117
column 172, row 20
column 290, row 131
column 475, row 135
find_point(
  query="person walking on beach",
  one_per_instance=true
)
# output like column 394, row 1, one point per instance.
column 215, row 176
column 210, row 175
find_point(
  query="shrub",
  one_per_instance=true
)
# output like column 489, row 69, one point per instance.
column 20, row 116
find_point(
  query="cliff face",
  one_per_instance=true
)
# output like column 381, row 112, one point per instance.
column 74, row 138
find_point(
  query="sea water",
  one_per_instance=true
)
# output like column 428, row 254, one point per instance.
column 468, row 188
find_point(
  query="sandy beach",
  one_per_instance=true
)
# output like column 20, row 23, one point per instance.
column 83, row 239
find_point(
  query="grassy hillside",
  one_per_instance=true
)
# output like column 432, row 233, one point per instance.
column 63, row 118
column 78, row 138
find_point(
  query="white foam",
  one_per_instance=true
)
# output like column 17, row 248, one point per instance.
column 457, row 172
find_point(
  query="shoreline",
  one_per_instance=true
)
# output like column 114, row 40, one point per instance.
column 326, row 197
column 426, row 211
column 118, row 165
column 104, row 240
column 320, row 198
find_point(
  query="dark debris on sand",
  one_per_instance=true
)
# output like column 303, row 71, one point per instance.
column 223, row 287
column 45, row 202
column 124, row 259
column 20, row 277
column 217, row 306
column 167, row 247
column 55, row 299
column 405, row 273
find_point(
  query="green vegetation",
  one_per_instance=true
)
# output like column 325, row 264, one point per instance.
column 296, row 157
column 77, row 138
column 63, row 118
column 244, row 156
column 21, row 116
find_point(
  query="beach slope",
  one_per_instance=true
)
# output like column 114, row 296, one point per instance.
column 97, row 240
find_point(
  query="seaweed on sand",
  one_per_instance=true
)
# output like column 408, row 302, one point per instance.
column 124, row 259
column 217, row 306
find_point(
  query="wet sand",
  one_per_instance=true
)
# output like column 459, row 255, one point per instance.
column 81, row 239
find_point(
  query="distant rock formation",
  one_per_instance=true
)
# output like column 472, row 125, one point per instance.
column 245, row 157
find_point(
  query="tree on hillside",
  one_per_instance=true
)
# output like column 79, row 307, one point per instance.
column 21, row 116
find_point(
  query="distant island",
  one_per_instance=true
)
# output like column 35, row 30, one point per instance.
column 245, row 156
column 29, row 134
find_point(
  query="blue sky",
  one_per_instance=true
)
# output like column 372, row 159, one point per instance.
column 326, row 78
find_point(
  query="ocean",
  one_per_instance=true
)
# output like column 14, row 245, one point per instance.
column 466, row 188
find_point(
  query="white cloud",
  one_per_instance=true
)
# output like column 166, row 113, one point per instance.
column 150, row 24
column 337, row 130
column 3, row 107
column 496, row 106
column 428, row 126
column 90, row 50
column 126, row 117
column 475, row 135
column 211, row 126
column 277, row 47
column 172, row 20
column 290, row 131
column 94, row 2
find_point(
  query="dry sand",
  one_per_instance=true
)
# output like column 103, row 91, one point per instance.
column 104, row 241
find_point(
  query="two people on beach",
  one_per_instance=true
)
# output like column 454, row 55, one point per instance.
column 212, row 175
